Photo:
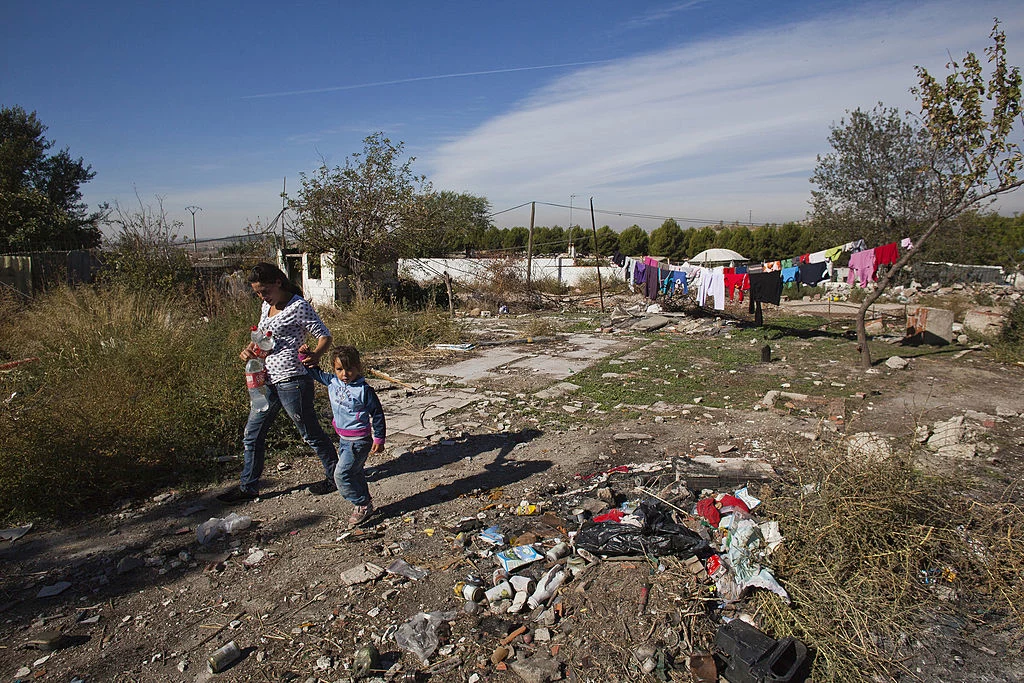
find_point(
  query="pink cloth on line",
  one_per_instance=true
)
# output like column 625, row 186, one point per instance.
column 862, row 265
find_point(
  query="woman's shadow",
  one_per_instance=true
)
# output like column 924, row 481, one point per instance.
column 500, row 471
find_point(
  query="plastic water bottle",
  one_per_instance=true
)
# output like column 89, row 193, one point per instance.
column 255, row 371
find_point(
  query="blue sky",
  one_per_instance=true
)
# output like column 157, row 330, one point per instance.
column 702, row 109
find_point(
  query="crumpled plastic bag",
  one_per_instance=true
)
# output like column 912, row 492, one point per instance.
column 215, row 527
column 745, row 538
column 658, row 535
column 419, row 635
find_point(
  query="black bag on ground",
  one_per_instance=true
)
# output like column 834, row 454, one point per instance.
column 659, row 535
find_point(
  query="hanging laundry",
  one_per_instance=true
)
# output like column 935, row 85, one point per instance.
column 817, row 257
column 766, row 287
column 833, row 253
column 741, row 270
column 789, row 274
column 618, row 258
column 712, row 283
column 652, row 282
column 804, row 258
column 734, row 281
column 755, row 268
column 680, row 281
column 905, row 243
column 856, row 245
column 813, row 273
column 787, row 263
column 769, row 266
column 639, row 273
column 886, row 254
column 862, row 266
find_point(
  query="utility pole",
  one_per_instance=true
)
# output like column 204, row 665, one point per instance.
column 529, row 246
column 192, row 210
column 572, row 252
column 597, row 253
column 284, row 204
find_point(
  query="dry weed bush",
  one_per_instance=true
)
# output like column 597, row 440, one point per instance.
column 132, row 390
column 370, row 324
column 867, row 548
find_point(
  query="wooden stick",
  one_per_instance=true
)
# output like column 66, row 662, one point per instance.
column 215, row 633
column 16, row 363
column 389, row 378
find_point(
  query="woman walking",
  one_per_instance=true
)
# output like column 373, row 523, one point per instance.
column 287, row 315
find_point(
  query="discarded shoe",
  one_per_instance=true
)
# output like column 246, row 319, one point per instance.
column 360, row 513
column 237, row 495
column 322, row 488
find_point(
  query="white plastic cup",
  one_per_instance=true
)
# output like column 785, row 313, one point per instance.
column 500, row 592
column 522, row 584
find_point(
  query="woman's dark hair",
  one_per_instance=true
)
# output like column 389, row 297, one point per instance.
column 349, row 357
column 269, row 274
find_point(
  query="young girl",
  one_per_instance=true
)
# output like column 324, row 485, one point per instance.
column 359, row 421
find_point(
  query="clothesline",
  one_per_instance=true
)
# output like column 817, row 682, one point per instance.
column 764, row 281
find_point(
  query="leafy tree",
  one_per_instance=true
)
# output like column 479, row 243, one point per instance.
column 607, row 241
column 633, row 241
column 896, row 174
column 874, row 183
column 41, row 203
column 375, row 208
column 580, row 239
column 701, row 239
column 666, row 240
column 438, row 223
column 741, row 241
column 517, row 237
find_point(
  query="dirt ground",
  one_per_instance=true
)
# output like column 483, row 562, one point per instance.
column 146, row 602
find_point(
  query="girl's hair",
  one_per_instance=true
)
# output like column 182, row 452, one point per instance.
column 269, row 274
column 348, row 356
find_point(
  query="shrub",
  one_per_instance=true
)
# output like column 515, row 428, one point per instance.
column 131, row 391
column 370, row 324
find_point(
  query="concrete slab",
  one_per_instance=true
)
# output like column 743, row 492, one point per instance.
column 480, row 366
column 557, row 367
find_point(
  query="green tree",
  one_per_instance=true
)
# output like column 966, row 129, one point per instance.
column 516, row 238
column 41, row 203
column 897, row 174
column 701, row 239
column 666, row 240
column 367, row 212
column 438, row 223
column 607, row 241
column 633, row 241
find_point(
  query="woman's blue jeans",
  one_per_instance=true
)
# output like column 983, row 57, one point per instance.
column 349, row 474
column 296, row 397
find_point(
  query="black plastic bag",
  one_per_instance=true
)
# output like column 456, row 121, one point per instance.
column 659, row 535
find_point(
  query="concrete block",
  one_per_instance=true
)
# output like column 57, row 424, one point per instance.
column 868, row 446
column 651, row 323
column 984, row 321
column 930, row 325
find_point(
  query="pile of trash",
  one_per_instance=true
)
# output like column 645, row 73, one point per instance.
column 613, row 516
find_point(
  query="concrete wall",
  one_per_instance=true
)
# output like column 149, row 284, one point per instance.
column 560, row 268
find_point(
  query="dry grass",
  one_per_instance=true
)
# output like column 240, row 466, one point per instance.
column 370, row 324
column 131, row 391
column 868, row 547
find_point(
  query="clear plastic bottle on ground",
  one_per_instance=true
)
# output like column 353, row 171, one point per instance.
column 255, row 370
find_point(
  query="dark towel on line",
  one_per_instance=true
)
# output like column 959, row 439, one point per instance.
column 766, row 287
column 812, row 273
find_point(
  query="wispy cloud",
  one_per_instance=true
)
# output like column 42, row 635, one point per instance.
column 658, row 14
column 416, row 79
column 717, row 128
